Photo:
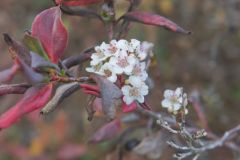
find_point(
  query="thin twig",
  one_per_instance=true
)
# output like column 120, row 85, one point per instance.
column 159, row 119
column 220, row 142
column 183, row 132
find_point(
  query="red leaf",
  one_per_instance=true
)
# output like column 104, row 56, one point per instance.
column 106, row 132
column 129, row 108
column 77, row 2
column 49, row 29
column 8, row 74
column 154, row 19
column 33, row 99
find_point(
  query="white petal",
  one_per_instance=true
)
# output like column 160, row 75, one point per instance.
column 113, row 61
column 168, row 93
column 133, row 45
column 94, row 56
column 131, row 60
column 128, row 70
column 166, row 103
column 104, row 46
column 185, row 103
column 125, row 89
column 113, row 42
column 97, row 48
column 144, row 75
column 122, row 44
column 180, row 100
column 143, row 66
column 179, row 91
column 147, row 47
column 176, row 106
column 94, row 63
column 140, row 99
column 144, row 90
column 142, row 55
column 112, row 78
column 135, row 42
column 128, row 100
column 122, row 53
column 135, row 81
column 90, row 69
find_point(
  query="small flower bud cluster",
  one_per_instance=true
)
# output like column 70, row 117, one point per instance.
column 123, row 59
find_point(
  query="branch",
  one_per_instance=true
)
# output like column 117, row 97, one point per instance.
column 194, row 146
column 220, row 142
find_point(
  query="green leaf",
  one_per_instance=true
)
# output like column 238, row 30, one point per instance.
column 34, row 45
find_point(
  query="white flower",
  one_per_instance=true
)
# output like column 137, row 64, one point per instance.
column 100, row 55
column 123, row 59
column 134, row 45
column 123, row 64
column 144, row 50
column 107, row 71
column 135, row 81
column 132, row 93
column 122, row 44
column 174, row 100
column 94, row 68
column 122, row 48
column 112, row 49
column 139, row 70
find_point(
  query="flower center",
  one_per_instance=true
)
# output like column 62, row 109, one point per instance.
column 134, row 92
column 136, row 70
column 107, row 73
column 99, row 54
column 174, row 99
column 112, row 49
column 123, row 62
column 97, row 67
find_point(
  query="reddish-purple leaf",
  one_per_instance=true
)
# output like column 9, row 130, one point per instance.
column 154, row 19
column 8, row 74
column 77, row 2
column 109, row 94
column 49, row 29
column 13, row 88
column 22, row 57
column 128, row 108
column 106, row 132
column 17, row 50
column 35, row 98
column 31, row 75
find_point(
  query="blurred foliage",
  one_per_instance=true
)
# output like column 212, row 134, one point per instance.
column 208, row 61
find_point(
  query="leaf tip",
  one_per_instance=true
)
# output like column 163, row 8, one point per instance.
column 7, row 38
column 181, row 30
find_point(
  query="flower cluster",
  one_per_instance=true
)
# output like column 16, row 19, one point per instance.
column 175, row 100
column 123, row 60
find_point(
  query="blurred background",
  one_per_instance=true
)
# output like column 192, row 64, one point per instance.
column 207, row 62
